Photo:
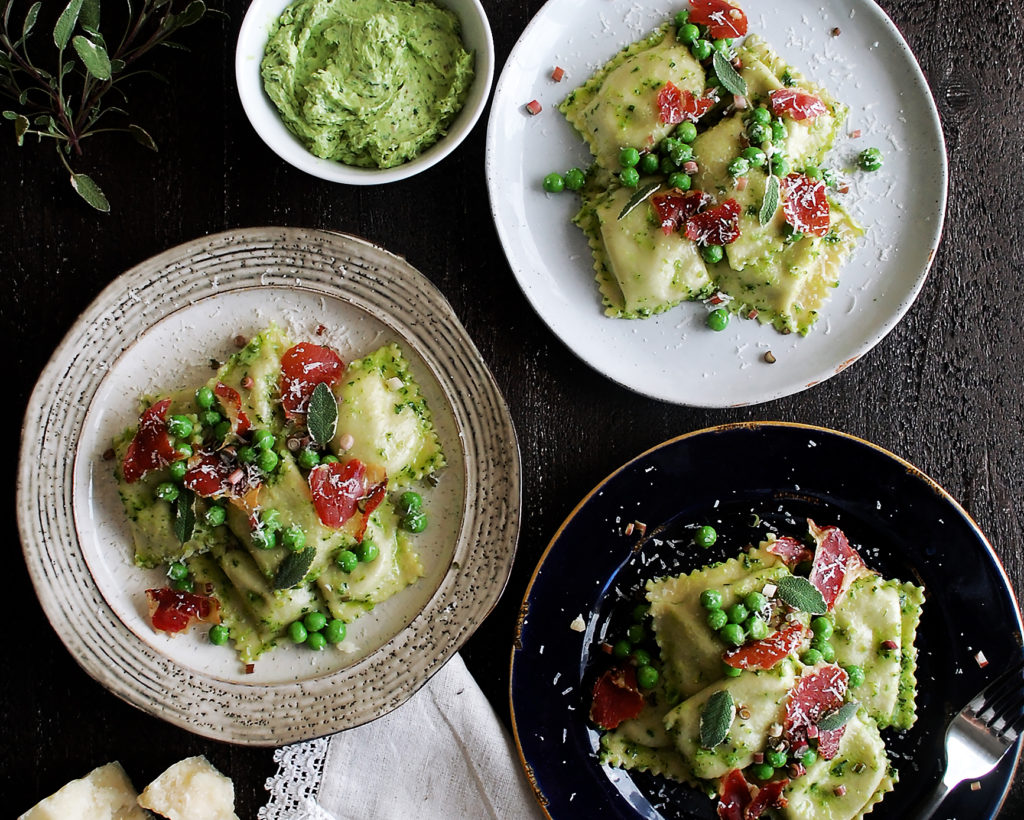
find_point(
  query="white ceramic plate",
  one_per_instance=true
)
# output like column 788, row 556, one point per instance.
column 156, row 328
column 673, row 356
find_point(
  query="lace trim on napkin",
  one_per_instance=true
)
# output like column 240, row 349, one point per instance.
column 294, row 789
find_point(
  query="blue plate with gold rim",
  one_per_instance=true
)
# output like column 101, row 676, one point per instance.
column 747, row 480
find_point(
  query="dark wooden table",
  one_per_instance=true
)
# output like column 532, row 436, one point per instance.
column 943, row 390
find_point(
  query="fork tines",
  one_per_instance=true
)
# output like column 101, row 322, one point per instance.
column 1000, row 705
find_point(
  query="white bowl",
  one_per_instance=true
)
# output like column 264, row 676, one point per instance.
column 252, row 40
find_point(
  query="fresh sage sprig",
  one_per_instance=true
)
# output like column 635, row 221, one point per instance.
column 322, row 414
column 58, row 97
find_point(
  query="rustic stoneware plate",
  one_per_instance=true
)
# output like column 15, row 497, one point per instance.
column 674, row 356
column 902, row 522
column 156, row 327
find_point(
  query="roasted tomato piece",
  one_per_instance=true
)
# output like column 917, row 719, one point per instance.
column 722, row 19
column 733, row 796
column 676, row 106
column 231, row 403
column 797, row 104
column 805, row 205
column 674, row 207
column 369, row 503
column 767, row 652
column 715, row 226
column 337, row 489
column 790, row 550
column 768, row 796
column 212, row 475
column 171, row 610
column 814, row 695
column 833, row 560
column 616, row 697
column 303, row 367
column 151, row 448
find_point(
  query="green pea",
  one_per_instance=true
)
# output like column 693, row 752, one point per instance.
column 222, row 430
column 762, row 771
column 264, row 539
column 718, row 319
column 701, row 49
column 757, row 134
column 314, row 621
column 870, row 159
column 167, row 492
column 215, row 515
column 755, row 601
column 649, row 163
column 668, row 145
column 712, row 254
column 574, row 179
column 667, row 166
column 705, row 536
column 629, row 157
column 737, row 613
column 780, row 165
column 828, row 653
column 738, row 167
column 722, row 45
column 761, row 116
column 367, row 551
column 640, row 613
column 811, row 657
column 756, row 627
column 183, row 450
column 347, row 560
column 263, row 440
column 330, row 460
column 271, row 519
column 308, row 459
column 636, row 633
column 812, row 172
column 297, row 632
column 731, row 671
column 855, row 674
column 316, row 641
column 822, row 627
column 779, row 131
column 684, row 153
column 775, row 758
column 629, row 177
column 688, row 34
column 640, row 657
column 294, row 538
column 755, row 156
column 711, row 599
column 205, row 398
column 335, row 631
column 622, row 649
column 267, row 460
column 809, row 758
column 177, row 470
column 210, row 418
column 679, row 180
column 410, row 501
column 184, row 585
column 414, row 522
column 218, row 635
column 717, row 619
column 176, row 571
column 732, row 634
column 553, row 183
column 180, row 426
column 246, row 454
column 686, row 131
column 647, row 676
column 681, row 18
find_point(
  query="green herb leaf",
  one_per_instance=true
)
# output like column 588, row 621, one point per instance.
column 193, row 13
column 30, row 20
column 727, row 75
column 185, row 515
column 293, row 568
column 716, row 718
column 142, row 136
column 21, row 126
column 322, row 415
column 770, row 204
column 90, row 16
column 93, row 56
column 838, row 718
column 66, row 23
column 639, row 197
column 10, row 115
column 90, row 192
column 800, row 594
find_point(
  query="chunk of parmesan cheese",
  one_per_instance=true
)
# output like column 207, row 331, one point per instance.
column 191, row 789
column 105, row 793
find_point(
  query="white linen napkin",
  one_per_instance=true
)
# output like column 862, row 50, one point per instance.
column 443, row 754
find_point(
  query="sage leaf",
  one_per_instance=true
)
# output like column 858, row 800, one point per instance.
column 142, row 136
column 639, row 197
column 800, row 594
column 90, row 16
column 838, row 718
column 90, row 192
column 10, row 115
column 21, row 126
column 66, row 24
column 185, row 516
column 728, row 76
column 293, row 568
column 770, row 204
column 716, row 718
column 322, row 414
column 30, row 20
column 93, row 56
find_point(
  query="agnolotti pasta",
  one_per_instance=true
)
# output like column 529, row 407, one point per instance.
column 778, row 670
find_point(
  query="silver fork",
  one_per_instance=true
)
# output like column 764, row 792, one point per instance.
column 981, row 734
